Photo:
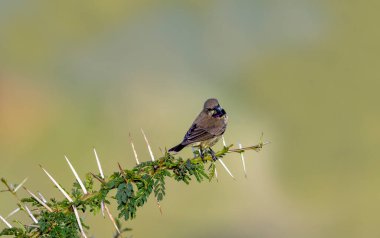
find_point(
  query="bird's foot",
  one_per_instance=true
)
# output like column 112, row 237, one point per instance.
column 214, row 158
column 202, row 155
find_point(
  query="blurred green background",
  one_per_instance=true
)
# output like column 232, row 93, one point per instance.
column 81, row 74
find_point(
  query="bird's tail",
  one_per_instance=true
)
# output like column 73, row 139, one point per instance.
column 177, row 148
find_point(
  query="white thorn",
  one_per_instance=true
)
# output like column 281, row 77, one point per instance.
column 102, row 208
column 20, row 185
column 42, row 197
column 111, row 218
column 39, row 200
column 225, row 167
column 224, row 141
column 134, row 150
column 193, row 150
column 5, row 222
column 101, row 174
column 13, row 212
column 243, row 160
column 76, row 176
column 98, row 162
column 58, row 186
column 216, row 174
column 147, row 143
column 31, row 215
column 79, row 223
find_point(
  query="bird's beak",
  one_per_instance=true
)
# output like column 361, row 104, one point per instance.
column 220, row 111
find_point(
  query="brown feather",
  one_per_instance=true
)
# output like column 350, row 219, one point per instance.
column 206, row 129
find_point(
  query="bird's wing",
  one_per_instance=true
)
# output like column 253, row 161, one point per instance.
column 198, row 134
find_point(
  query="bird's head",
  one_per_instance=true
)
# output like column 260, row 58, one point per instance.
column 212, row 108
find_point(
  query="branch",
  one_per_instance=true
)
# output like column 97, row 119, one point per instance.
column 60, row 218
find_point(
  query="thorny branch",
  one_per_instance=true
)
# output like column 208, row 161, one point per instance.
column 133, row 187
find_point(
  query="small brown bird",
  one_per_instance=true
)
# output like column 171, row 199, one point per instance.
column 207, row 128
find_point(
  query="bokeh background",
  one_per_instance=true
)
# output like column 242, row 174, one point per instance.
column 76, row 75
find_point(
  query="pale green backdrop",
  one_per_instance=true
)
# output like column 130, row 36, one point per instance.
column 79, row 74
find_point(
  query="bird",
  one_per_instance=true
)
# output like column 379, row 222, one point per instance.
column 206, row 130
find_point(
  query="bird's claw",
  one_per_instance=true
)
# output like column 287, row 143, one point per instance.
column 214, row 158
column 202, row 155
